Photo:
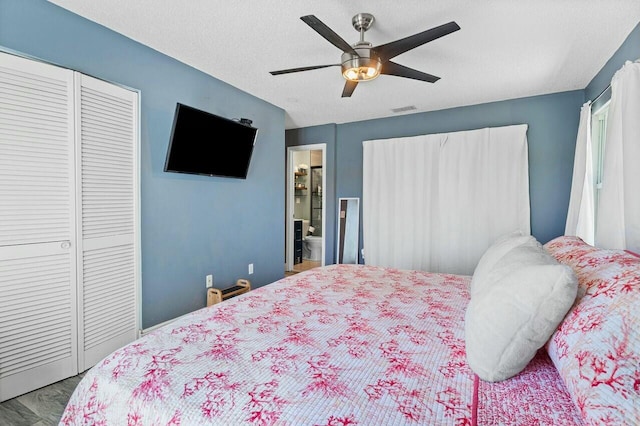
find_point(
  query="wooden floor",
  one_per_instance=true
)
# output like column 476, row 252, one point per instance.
column 304, row 266
column 42, row 407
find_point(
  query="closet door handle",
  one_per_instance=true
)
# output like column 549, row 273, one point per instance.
column 65, row 245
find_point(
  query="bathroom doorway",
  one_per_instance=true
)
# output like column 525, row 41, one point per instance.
column 305, row 210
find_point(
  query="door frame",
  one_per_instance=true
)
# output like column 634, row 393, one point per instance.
column 290, row 200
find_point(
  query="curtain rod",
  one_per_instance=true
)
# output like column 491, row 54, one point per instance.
column 601, row 93
column 609, row 85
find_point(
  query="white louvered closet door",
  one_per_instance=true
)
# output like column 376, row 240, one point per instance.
column 38, row 330
column 108, row 197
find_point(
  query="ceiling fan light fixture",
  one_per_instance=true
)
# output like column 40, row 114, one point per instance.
column 360, row 68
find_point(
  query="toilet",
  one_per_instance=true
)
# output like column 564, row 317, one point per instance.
column 311, row 244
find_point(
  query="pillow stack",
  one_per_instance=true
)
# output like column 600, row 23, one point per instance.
column 519, row 295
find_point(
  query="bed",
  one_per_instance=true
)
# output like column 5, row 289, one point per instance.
column 355, row 345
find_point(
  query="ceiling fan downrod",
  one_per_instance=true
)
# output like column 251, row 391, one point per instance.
column 362, row 22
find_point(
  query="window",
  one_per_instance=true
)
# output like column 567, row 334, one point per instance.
column 598, row 140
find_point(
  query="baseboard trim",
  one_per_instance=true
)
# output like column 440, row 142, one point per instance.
column 148, row 330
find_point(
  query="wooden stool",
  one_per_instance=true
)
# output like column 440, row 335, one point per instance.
column 216, row 295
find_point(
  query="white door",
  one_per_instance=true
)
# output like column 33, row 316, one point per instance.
column 38, row 329
column 107, row 206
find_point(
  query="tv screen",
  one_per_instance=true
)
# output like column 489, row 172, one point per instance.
column 206, row 144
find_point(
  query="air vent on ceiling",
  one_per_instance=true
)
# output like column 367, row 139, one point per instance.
column 403, row 109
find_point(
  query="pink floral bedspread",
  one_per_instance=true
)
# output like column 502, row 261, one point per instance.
column 337, row 345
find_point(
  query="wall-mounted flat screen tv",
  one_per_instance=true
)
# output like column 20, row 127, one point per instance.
column 206, row 144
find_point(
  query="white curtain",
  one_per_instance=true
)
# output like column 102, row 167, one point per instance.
column 580, row 217
column 436, row 202
column 618, row 222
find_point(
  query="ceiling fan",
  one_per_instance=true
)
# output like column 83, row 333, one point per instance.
column 362, row 61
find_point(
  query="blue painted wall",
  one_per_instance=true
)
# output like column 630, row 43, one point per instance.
column 191, row 225
column 553, row 124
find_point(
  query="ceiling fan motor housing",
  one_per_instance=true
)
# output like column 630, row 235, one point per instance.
column 364, row 66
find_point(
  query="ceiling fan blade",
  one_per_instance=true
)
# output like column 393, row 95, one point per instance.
column 391, row 68
column 394, row 48
column 328, row 34
column 349, row 87
column 313, row 67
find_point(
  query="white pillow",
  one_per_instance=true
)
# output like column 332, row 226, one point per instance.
column 494, row 253
column 523, row 298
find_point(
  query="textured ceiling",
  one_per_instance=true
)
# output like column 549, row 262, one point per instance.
column 505, row 49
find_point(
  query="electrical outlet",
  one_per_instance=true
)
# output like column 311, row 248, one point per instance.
column 250, row 268
column 209, row 281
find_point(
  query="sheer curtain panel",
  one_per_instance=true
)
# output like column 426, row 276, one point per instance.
column 580, row 217
column 618, row 223
column 436, row 202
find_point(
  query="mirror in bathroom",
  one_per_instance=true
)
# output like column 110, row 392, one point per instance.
column 348, row 230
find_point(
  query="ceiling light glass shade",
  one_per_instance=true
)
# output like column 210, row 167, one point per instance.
column 360, row 68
